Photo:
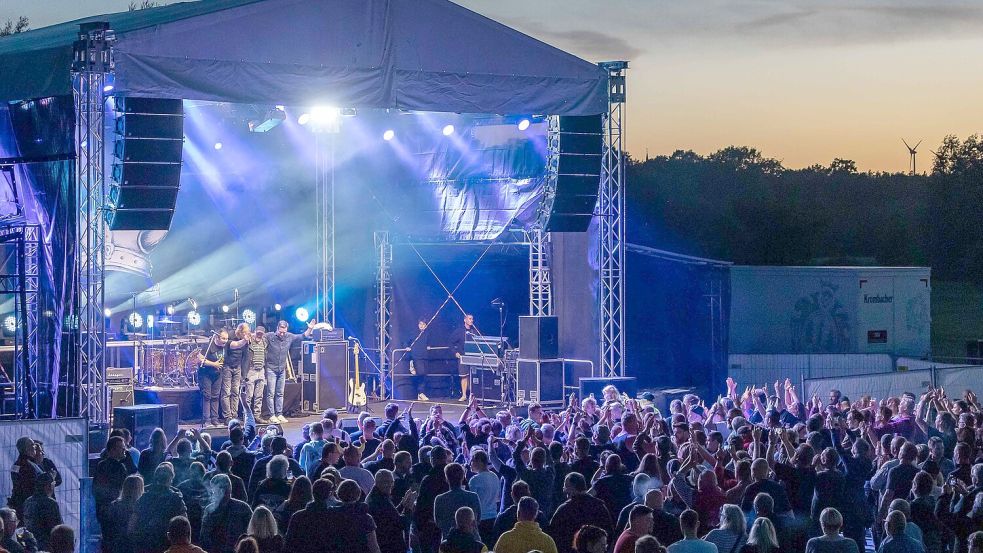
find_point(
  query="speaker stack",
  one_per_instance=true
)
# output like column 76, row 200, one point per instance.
column 119, row 381
column 539, row 374
column 568, row 202
column 324, row 380
column 141, row 420
column 147, row 164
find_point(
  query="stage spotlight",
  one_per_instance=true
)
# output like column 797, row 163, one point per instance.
column 218, row 145
column 225, row 309
column 150, row 321
column 171, row 309
column 279, row 107
column 524, row 124
column 324, row 115
column 135, row 320
column 302, row 314
column 194, row 318
column 249, row 316
column 277, row 307
column 10, row 324
column 108, row 88
column 107, row 312
column 448, row 130
column 304, row 119
column 389, row 135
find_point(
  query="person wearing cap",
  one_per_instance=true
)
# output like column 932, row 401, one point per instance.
column 277, row 353
column 41, row 513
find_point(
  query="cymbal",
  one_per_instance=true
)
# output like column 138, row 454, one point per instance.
column 138, row 334
column 230, row 319
column 168, row 322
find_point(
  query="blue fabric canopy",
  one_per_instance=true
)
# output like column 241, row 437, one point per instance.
column 421, row 55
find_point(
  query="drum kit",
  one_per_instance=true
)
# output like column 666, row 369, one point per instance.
column 171, row 362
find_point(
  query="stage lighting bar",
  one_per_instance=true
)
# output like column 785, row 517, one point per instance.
column 272, row 119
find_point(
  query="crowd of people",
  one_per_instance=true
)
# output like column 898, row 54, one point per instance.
column 756, row 471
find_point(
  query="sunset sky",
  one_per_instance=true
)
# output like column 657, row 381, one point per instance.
column 802, row 81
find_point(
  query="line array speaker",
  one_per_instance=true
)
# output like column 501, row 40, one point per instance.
column 538, row 338
column 568, row 203
column 147, row 164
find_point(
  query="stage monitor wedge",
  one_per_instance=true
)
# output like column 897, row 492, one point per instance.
column 147, row 163
column 569, row 200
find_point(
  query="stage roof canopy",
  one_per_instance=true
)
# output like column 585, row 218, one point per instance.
column 421, row 55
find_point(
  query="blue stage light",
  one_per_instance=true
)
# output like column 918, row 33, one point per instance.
column 389, row 135
column 277, row 307
column 304, row 119
column 10, row 324
column 150, row 321
column 302, row 314
column 249, row 316
column 524, row 124
column 171, row 309
column 225, row 309
column 135, row 320
column 218, row 145
column 448, row 130
column 194, row 318
column 107, row 312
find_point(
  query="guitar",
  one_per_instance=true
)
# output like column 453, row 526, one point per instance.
column 356, row 389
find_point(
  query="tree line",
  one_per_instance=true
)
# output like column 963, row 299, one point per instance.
column 736, row 204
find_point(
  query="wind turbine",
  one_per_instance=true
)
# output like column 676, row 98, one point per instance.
column 913, row 152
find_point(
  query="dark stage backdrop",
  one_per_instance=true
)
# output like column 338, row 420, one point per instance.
column 668, row 322
column 475, row 273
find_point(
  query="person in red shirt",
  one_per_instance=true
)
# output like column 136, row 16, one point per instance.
column 640, row 524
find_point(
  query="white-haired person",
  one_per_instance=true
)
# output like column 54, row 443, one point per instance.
column 831, row 521
column 225, row 518
column 264, row 529
column 761, row 538
column 274, row 489
column 731, row 534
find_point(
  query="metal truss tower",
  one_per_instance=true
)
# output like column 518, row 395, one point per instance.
column 611, row 217
column 93, row 61
column 324, row 190
column 540, row 281
column 384, row 296
column 20, row 245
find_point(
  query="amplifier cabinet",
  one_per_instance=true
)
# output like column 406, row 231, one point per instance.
column 141, row 420
column 486, row 385
column 539, row 381
column 324, row 380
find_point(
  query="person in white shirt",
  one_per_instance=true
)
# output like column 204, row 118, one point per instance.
column 354, row 471
column 488, row 486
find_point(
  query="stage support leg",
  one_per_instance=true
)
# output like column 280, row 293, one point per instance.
column 324, row 190
column 611, row 213
column 384, row 294
column 540, row 280
column 93, row 61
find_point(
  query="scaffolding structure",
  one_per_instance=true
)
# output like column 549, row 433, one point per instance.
column 19, row 250
column 93, row 61
column 324, row 162
column 540, row 280
column 611, row 221
column 384, row 296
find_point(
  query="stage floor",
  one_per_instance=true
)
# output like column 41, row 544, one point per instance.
column 292, row 429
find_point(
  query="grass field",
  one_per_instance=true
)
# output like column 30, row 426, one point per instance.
column 957, row 316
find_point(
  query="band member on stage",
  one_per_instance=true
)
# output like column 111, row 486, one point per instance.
column 255, row 377
column 235, row 351
column 277, row 350
column 461, row 335
column 210, row 377
column 419, row 360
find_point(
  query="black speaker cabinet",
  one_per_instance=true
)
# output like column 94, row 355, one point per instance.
column 141, row 420
column 325, row 382
column 539, row 381
column 538, row 338
column 568, row 203
column 486, row 385
column 147, row 164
